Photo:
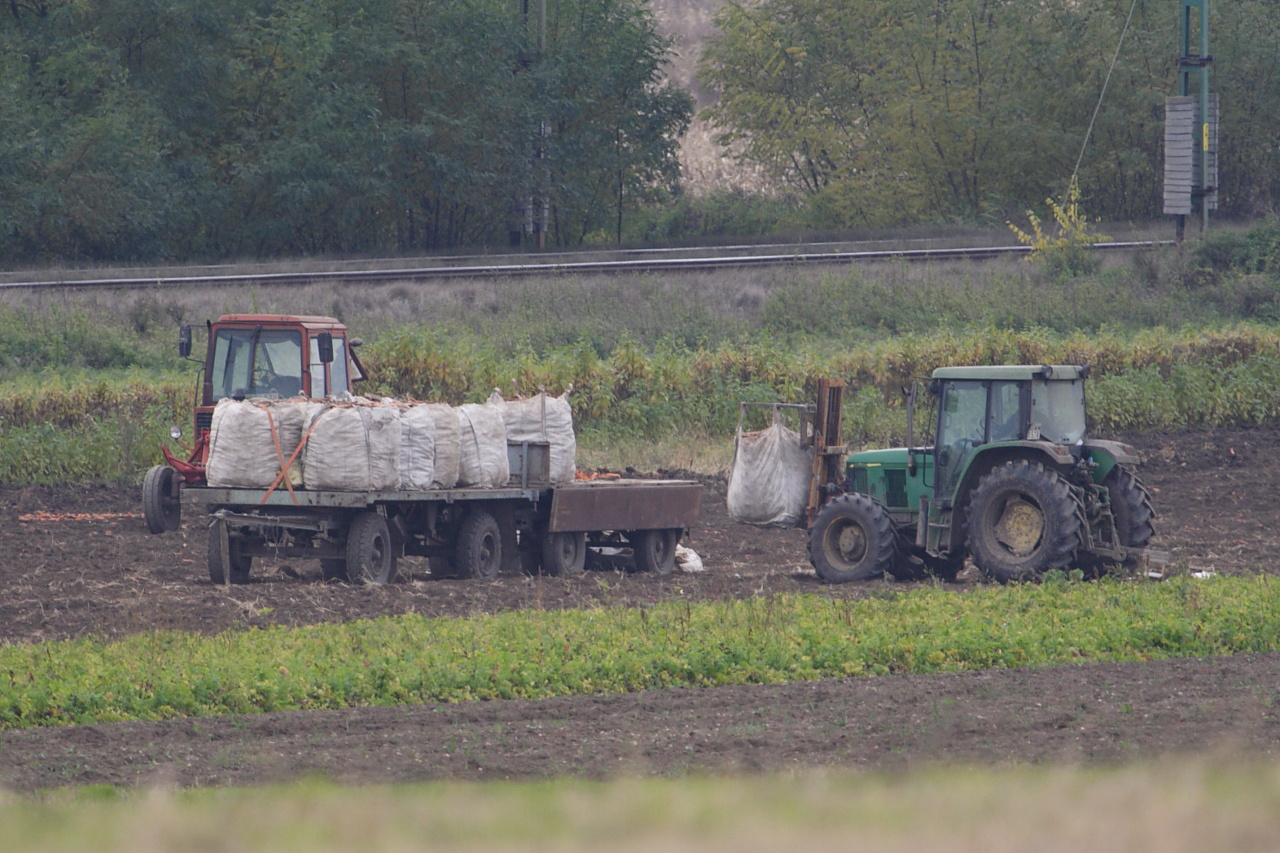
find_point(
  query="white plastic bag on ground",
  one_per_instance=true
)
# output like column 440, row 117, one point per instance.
column 483, row 437
column 243, row 452
column 687, row 560
column 417, row 447
column 769, row 481
column 353, row 448
column 544, row 418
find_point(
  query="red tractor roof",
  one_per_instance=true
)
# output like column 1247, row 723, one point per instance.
column 309, row 321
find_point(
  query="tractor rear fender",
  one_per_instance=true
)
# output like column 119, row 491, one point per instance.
column 1107, row 454
column 1056, row 456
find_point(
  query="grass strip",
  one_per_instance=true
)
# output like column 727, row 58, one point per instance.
column 539, row 654
column 1175, row 805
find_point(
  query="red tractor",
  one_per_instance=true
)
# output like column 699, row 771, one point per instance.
column 249, row 355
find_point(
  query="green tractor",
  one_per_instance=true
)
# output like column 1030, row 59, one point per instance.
column 1012, row 481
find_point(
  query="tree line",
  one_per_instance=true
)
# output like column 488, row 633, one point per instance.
column 189, row 129
column 894, row 111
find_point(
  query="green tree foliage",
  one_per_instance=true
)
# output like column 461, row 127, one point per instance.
column 888, row 111
column 138, row 128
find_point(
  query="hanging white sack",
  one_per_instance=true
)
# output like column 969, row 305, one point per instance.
column 250, row 440
column 769, row 480
column 483, row 437
column 544, row 418
column 448, row 451
column 353, row 449
column 417, row 447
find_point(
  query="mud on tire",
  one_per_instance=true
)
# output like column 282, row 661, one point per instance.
column 1024, row 520
column 852, row 539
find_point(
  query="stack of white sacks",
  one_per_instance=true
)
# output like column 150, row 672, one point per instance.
column 361, row 444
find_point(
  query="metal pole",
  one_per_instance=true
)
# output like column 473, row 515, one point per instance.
column 1204, row 115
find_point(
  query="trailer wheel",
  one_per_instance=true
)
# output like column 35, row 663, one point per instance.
column 655, row 550
column 239, row 563
column 160, row 505
column 479, row 550
column 852, row 539
column 369, row 556
column 564, row 554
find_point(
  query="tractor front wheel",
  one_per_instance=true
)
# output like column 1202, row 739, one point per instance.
column 1131, row 508
column 852, row 539
column 1023, row 521
column 160, row 503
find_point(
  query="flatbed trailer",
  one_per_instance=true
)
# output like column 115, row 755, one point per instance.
column 464, row 532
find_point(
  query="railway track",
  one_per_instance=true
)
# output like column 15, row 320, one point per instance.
column 620, row 262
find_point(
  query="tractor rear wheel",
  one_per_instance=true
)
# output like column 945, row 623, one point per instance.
column 1023, row 521
column 852, row 539
column 1131, row 508
column 160, row 506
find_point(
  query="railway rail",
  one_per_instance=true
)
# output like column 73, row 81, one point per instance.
column 649, row 260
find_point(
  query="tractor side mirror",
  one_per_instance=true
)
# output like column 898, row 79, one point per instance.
column 324, row 340
column 184, row 340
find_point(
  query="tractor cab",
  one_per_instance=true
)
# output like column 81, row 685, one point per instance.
column 263, row 356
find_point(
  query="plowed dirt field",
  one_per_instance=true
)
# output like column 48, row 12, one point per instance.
column 77, row 561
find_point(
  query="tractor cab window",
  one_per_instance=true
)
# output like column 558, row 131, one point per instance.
column 974, row 413
column 1057, row 406
column 337, row 370
column 963, row 419
column 1006, row 411
column 256, row 363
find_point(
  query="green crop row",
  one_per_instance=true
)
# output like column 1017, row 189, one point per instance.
column 536, row 654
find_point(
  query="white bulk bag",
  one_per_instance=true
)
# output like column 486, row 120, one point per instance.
column 544, row 418
column 417, row 447
column 244, row 453
column 353, row 448
column 769, row 481
column 483, row 437
column 448, row 452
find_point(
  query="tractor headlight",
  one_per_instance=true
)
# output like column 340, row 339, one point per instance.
column 175, row 432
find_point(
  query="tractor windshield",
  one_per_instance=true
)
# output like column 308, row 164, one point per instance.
column 256, row 362
column 1058, row 407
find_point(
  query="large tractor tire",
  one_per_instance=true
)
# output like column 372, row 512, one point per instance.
column 370, row 558
column 1023, row 521
column 852, row 539
column 160, row 505
column 1131, row 507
